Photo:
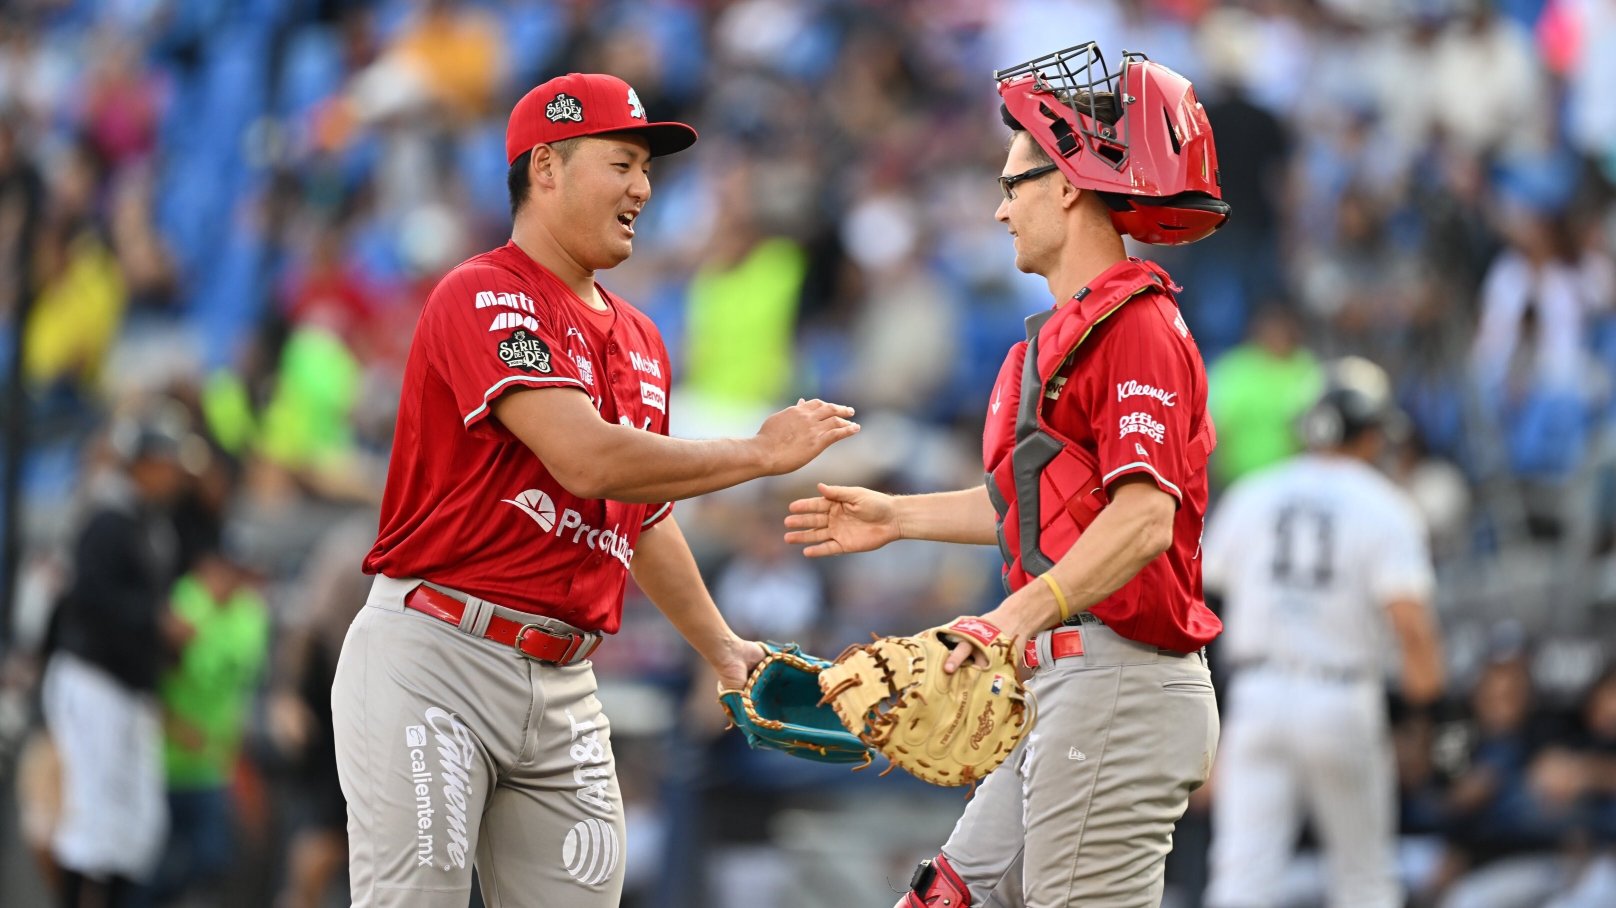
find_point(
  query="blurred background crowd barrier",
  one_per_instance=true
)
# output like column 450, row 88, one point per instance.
column 240, row 205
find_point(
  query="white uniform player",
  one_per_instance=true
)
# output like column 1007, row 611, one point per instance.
column 1324, row 568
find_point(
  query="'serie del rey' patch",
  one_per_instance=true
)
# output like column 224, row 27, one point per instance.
column 524, row 351
column 564, row 107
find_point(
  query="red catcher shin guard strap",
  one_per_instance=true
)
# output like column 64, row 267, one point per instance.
column 936, row 885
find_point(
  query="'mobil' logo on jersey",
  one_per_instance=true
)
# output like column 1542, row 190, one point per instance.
column 645, row 364
column 524, row 351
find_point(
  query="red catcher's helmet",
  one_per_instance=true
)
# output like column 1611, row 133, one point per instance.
column 1138, row 137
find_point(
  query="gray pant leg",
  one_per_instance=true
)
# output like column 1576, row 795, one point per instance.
column 424, row 716
column 1087, row 818
column 986, row 845
column 554, row 833
column 1111, row 775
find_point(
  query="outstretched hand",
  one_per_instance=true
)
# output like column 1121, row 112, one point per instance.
column 796, row 435
column 843, row 519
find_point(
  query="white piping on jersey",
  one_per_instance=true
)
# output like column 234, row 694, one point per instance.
column 659, row 512
column 556, row 380
column 1177, row 493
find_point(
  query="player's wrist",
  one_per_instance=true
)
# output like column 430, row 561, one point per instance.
column 1031, row 610
column 902, row 517
column 760, row 456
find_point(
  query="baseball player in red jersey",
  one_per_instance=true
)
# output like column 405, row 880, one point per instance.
column 1095, row 449
column 531, row 474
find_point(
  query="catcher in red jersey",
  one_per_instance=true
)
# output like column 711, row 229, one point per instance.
column 1095, row 450
column 531, row 473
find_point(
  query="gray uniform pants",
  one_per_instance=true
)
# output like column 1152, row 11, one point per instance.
column 1082, row 812
column 455, row 750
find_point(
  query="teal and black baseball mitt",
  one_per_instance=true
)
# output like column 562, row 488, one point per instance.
column 779, row 709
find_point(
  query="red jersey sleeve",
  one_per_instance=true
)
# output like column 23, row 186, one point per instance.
column 1141, row 387
column 488, row 334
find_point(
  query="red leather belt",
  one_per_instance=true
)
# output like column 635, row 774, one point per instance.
column 1064, row 642
column 531, row 640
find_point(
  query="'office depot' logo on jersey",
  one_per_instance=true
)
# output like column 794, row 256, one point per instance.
column 571, row 527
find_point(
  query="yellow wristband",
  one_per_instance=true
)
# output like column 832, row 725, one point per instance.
column 1060, row 597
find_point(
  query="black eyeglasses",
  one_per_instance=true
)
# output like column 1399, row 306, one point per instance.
column 1007, row 185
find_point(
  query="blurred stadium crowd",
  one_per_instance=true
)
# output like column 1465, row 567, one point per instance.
column 240, row 205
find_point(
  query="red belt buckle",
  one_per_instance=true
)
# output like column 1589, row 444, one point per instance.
column 569, row 643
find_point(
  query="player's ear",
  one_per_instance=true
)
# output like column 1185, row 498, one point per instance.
column 1069, row 195
column 542, row 168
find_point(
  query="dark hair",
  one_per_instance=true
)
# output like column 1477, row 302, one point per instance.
column 516, row 179
column 517, row 182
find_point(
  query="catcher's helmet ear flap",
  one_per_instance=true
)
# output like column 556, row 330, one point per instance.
column 1357, row 397
column 1173, row 221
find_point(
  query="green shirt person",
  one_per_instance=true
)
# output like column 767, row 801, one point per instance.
column 208, row 693
column 1258, row 391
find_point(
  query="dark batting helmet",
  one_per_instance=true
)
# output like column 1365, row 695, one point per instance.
column 1357, row 397
column 1137, row 136
column 158, row 430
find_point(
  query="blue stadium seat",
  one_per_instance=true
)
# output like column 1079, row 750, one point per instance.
column 311, row 70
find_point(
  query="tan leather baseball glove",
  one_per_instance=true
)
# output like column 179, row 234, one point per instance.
column 946, row 729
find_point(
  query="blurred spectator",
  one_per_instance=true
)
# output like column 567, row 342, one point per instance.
column 207, row 697
column 148, row 268
column 456, row 52
column 1496, row 821
column 764, row 592
column 1361, row 283
column 742, row 312
column 1531, row 358
column 1591, row 114
column 1258, row 391
column 121, row 101
column 81, row 292
column 332, row 589
column 1238, row 268
column 1481, row 64
column 111, row 638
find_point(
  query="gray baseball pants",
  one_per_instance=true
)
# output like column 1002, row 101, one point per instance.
column 1082, row 812
column 454, row 750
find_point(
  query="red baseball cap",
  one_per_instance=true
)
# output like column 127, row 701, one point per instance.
column 586, row 104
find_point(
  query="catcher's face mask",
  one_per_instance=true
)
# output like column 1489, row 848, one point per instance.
column 1138, row 136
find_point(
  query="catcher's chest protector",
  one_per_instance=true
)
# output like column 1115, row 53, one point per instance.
column 1044, row 486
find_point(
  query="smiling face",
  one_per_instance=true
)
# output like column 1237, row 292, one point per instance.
column 1036, row 216
column 593, row 196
